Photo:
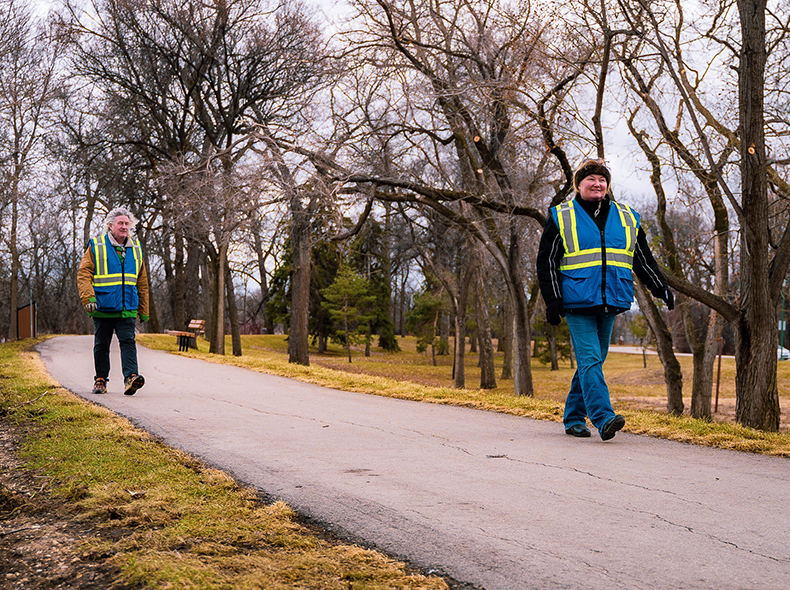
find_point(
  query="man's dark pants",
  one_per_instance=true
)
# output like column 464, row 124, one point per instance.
column 124, row 329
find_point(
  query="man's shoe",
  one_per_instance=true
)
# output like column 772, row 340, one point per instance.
column 99, row 385
column 612, row 426
column 133, row 383
column 578, row 430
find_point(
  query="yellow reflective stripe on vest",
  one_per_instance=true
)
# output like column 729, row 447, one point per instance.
column 575, row 258
column 628, row 221
column 100, row 248
column 581, row 260
column 617, row 257
column 137, row 252
column 102, row 277
column 566, row 215
column 585, row 258
column 115, row 279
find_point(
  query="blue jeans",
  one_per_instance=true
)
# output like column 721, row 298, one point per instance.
column 589, row 394
column 124, row 329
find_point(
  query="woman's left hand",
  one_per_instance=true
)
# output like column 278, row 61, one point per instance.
column 669, row 298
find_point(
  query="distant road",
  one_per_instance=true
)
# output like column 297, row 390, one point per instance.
column 501, row 502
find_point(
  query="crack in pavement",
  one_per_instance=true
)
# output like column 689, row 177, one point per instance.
column 598, row 477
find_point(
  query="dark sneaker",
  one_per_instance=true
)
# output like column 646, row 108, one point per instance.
column 579, row 431
column 99, row 385
column 133, row 383
column 612, row 426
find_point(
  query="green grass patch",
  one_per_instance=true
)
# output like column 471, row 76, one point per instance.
column 636, row 384
column 168, row 520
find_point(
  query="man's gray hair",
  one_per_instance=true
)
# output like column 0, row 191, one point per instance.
column 115, row 214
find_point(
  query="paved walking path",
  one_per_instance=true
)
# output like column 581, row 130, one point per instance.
column 498, row 501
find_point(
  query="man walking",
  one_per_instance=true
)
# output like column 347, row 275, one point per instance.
column 113, row 287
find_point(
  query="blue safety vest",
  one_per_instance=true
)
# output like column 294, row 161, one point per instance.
column 596, row 267
column 115, row 284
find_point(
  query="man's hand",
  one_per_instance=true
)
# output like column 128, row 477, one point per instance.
column 90, row 307
column 555, row 312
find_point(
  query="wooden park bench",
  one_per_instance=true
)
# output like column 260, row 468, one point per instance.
column 189, row 336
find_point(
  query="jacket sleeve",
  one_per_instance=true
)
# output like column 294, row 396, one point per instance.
column 142, row 292
column 550, row 253
column 85, row 277
column 646, row 267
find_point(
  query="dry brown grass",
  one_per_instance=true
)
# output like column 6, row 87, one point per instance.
column 155, row 516
column 632, row 385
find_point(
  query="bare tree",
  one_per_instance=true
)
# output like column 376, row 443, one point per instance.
column 447, row 256
column 27, row 88
column 199, row 80
column 487, row 371
column 474, row 160
column 745, row 41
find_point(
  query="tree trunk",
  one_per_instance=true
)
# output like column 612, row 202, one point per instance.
column 702, row 388
column 402, row 304
column 13, row 328
column 487, row 370
column 507, row 341
column 208, row 277
column 673, row 374
column 90, row 211
column 522, row 382
column 153, row 316
column 348, row 339
column 523, row 370
column 205, row 292
column 459, row 360
column 178, row 295
column 167, row 267
column 756, row 333
column 258, row 245
column 444, row 333
column 218, row 267
column 233, row 314
column 434, row 332
column 551, row 338
column 192, row 297
column 300, row 284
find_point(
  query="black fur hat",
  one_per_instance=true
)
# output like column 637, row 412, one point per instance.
column 592, row 167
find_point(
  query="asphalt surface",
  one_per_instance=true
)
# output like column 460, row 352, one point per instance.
column 497, row 501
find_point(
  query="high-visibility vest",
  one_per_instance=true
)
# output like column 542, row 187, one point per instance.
column 596, row 267
column 115, row 284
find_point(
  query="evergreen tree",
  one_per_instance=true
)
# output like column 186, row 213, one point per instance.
column 422, row 321
column 326, row 262
column 349, row 303
column 368, row 256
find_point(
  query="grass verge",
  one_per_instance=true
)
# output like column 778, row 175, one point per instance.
column 164, row 519
column 408, row 375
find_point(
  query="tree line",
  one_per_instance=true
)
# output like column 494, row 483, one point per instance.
column 390, row 167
